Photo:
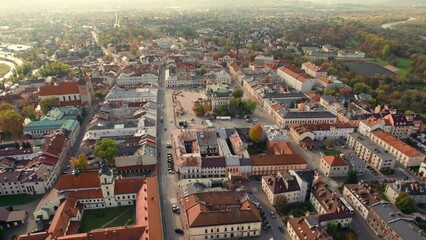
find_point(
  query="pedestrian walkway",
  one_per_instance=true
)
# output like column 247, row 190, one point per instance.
column 116, row 217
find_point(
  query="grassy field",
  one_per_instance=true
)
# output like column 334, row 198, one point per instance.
column 96, row 218
column 403, row 64
column 3, row 69
column 16, row 199
column 122, row 220
column 331, row 152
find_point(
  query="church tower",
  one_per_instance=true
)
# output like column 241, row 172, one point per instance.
column 106, row 178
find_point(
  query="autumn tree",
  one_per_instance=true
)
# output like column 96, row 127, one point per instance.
column 256, row 133
column 106, row 148
column 29, row 112
column 10, row 122
column 80, row 163
column 267, row 79
column 281, row 203
column 405, row 203
column 48, row 104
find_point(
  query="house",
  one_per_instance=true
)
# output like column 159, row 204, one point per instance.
column 10, row 218
column 306, row 228
column 329, row 206
column 237, row 218
column 415, row 189
column 372, row 154
column 296, row 78
column 387, row 222
column 361, row 197
column 334, row 166
column 281, row 186
column 404, row 153
column 272, row 164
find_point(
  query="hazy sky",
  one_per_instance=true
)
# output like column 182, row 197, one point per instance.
column 111, row 4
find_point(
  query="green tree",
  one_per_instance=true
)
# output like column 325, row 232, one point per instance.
column 332, row 228
column 249, row 106
column 80, row 163
column 352, row 177
column 361, row 88
column 329, row 143
column 48, row 104
column 29, row 112
column 405, row 203
column 256, row 133
column 106, row 148
column 55, row 69
column 238, row 93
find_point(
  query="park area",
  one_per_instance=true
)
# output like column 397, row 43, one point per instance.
column 107, row 217
column 367, row 69
column 3, row 69
column 19, row 199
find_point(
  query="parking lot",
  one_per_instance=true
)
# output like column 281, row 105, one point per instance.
column 184, row 101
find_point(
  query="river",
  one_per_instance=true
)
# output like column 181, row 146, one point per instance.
column 11, row 65
column 389, row 25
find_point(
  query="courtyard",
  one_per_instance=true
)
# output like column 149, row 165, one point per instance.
column 106, row 217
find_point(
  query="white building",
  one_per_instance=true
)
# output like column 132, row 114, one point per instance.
column 415, row 189
column 334, row 166
column 361, row 197
column 314, row 70
column 136, row 80
column 296, row 78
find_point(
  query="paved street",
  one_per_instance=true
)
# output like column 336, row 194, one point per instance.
column 167, row 182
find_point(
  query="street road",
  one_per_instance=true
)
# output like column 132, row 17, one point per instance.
column 166, row 181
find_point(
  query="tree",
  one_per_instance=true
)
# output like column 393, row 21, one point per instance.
column 249, row 106
column 332, row 228
column 238, row 93
column 29, row 112
column 55, row 69
column 106, row 148
column 48, row 104
column 5, row 106
column 329, row 143
column 256, row 133
column 361, row 88
column 267, row 79
column 80, row 163
column 11, row 123
column 281, row 203
column 405, row 203
column 352, row 177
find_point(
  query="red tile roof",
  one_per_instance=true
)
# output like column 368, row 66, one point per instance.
column 62, row 217
column 131, row 185
column 397, row 144
column 267, row 160
column 335, row 161
column 61, row 89
column 115, row 233
column 296, row 73
column 83, row 180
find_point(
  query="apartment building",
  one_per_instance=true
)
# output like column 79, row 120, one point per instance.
column 360, row 197
column 401, row 127
column 329, row 206
column 372, row 154
column 281, row 186
column 321, row 131
column 285, row 118
column 387, row 222
column 296, row 78
column 334, row 166
column 415, row 189
column 239, row 216
column 404, row 153
column 306, row 228
column 134, row 80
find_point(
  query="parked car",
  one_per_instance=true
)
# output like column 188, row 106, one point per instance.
column 171, row 171
column 281, row 228
column 178, row 230
column 273, row 214
column 168, row 145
